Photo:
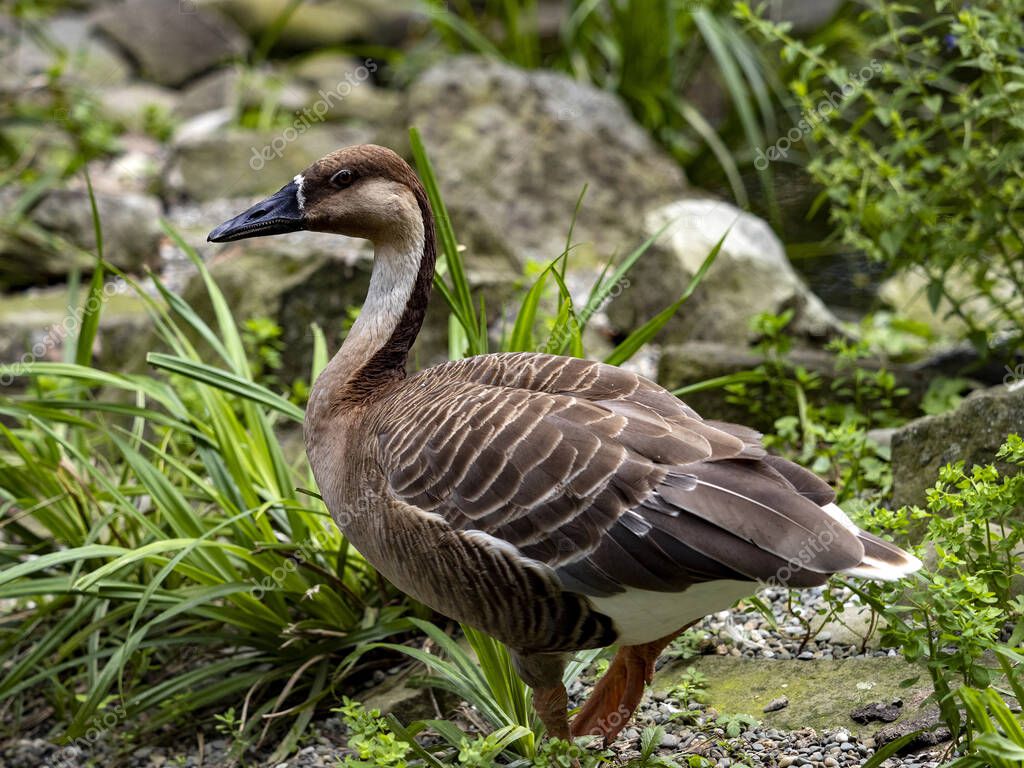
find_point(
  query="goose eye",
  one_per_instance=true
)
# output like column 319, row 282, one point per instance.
column 343, row 178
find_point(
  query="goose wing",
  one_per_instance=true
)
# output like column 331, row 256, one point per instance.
column 605, row 477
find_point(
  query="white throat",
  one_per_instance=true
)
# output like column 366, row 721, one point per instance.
column 396, row 266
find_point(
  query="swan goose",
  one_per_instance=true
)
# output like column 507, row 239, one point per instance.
column 558, row 504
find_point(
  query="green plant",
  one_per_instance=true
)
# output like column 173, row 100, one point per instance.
column 146, row 514
column 485, row 678
column 944, row 394
column 999, row 732
column 158, row 122
column 736, row 724
column 687, row 645
column 650, row 740
column 956, row 612
column 823, row 429
column 383, row 741
column 371, row 740
column 691, row 686
column 912, row 153
column 230, row 726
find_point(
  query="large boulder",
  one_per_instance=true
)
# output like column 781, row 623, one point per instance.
column 171, row 42
column 751, row 275
column 130, row 226
column 513, row 150
column 908, row 293
column 973, row 432
column 344, row 89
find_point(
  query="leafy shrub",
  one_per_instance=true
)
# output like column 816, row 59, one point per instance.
column 918, row 158
column 825, row 429
column 960, row 609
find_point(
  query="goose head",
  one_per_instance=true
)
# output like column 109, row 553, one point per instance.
column 364, row 191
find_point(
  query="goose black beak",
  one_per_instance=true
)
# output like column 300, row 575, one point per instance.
column 276, row 215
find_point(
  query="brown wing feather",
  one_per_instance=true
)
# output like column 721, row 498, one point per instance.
column 604, row 476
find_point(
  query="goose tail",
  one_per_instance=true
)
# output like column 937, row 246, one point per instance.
column 883, row 561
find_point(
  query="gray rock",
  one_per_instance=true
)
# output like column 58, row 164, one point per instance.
column 35, row 326
column 750, row 275
column 210, row 92
column 318, row 25
column 135, row 105
column 131, row 236
column 806, row 16
column 877, row 712
column 780, row 702
column 513, row 149
column 171, row 42
column 973, row 432
column 853, row 626
column 84, row 58
column 214, row 162
column 929, row 732
column 344, row 89
column 907, row 293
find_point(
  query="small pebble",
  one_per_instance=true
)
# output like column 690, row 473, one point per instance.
column 776, row 704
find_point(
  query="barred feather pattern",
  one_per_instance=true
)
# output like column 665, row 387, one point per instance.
column 518, row 486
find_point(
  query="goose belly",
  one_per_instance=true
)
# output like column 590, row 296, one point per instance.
column 641, row 616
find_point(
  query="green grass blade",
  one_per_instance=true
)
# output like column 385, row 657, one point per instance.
column 229, row 382
column 635, row 340
column 90, row 312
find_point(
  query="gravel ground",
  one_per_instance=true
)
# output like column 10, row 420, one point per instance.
column 735, row 633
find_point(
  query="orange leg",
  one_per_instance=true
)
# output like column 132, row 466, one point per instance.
column 551, row 705
column 618, row 694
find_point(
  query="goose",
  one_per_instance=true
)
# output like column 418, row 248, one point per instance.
column 556, row 503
